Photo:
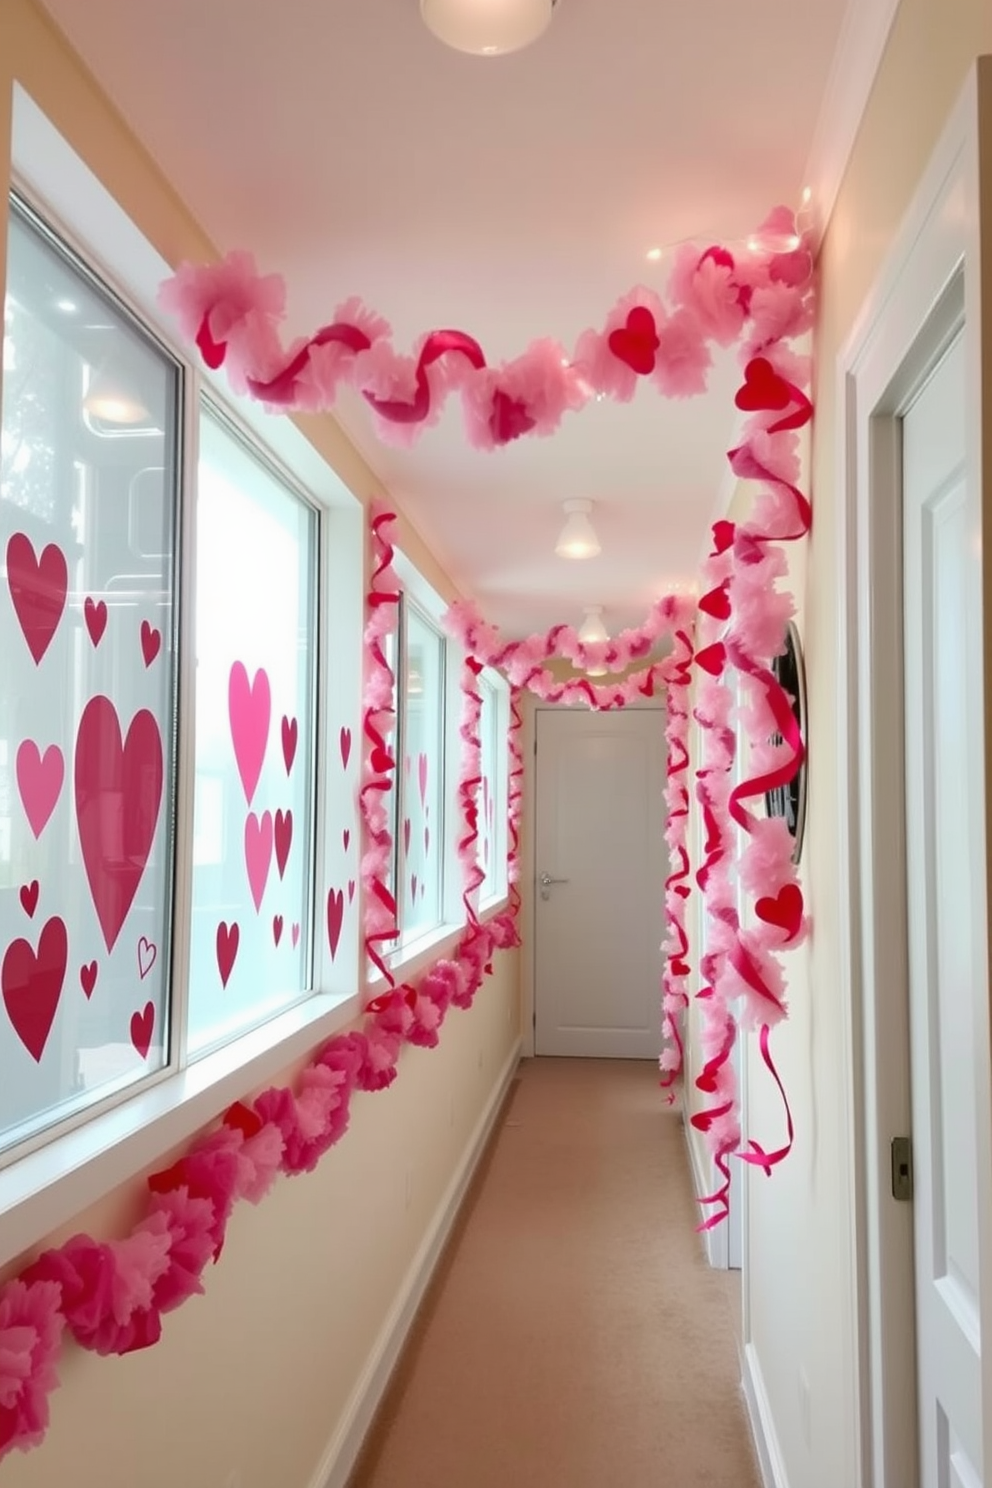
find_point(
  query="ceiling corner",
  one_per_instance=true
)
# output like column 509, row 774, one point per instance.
column 860, row 48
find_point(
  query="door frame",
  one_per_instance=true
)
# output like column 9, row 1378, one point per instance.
column 528, row 861
column 933, row 280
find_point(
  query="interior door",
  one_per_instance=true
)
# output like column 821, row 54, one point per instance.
column 601, row 864
column 947, row 953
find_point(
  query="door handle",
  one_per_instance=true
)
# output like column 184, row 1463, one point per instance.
column 546, row 881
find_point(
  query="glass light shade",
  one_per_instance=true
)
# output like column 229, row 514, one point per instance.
column 592, row 628
column 487, row 28
column 577, row 538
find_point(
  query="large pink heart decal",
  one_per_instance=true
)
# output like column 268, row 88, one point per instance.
column 335, row 918
column 258, row 853
column 118, row 795
column 283, row 839
column 37, row 589
column 249, row 707
column 39, row 780
column 32, row 985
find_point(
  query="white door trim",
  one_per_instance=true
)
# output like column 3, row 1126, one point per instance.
column 917, row 299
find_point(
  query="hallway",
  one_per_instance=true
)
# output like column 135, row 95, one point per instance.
column 574, row 1335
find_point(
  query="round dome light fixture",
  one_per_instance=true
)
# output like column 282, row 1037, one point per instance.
column 487, row 28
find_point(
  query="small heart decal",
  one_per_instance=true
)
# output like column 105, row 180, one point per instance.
column 413, row 886
column 151, row 641
column 763, row 388
column 785, row 910
column 87, row 978
column 39, row 781
column 344, row 744
column 142, row 1025
column 636, row 343
column 283, row 839
column 147, row 953
column 228, row 939
column 406, row 834
column 295, row 934
column 277, row 928
column 29, row 897
column 37, row 591
column 32, row 985
column 351, row 890
column 422, row 777
column 346, row 838
column 335, row 919
column 95, row 615
column 290, row 735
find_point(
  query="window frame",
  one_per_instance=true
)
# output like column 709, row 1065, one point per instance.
column 59, row 1172
column 499, row 847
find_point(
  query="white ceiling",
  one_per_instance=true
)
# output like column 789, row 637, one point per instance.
column 512, row 197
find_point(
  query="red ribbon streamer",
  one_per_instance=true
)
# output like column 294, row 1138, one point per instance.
column 758, row 1157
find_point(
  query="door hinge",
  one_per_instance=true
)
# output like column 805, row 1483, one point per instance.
column 902, row 1168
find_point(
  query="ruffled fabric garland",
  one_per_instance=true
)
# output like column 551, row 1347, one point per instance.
column 716, row 298
column 742, row 623
column 111, row 1296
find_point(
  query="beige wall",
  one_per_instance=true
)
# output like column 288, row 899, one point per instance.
column 254, row 1376
column 800, row 1287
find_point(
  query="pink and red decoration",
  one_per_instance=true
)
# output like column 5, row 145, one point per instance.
column 715, row 298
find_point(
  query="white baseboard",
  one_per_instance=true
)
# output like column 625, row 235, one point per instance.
column 759, row 1411
column 342, row 1452
column 716, row 1240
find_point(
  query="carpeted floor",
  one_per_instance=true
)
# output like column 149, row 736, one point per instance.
column 574, row 1336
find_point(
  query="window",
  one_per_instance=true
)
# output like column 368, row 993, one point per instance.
column 494, row 791
column 252, row 816
column 88, row 520
column 421, row 774
column 146, row 917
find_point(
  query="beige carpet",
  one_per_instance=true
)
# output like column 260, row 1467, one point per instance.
column 574, row 1336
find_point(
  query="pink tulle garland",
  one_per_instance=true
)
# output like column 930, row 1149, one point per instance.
column 755, row 295
column 675, row 995
column 743, row 618
column 111, row 1296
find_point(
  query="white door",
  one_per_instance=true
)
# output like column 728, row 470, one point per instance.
column 600, row 821
column 946, row 889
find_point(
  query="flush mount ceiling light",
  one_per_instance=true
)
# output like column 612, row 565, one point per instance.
column 487, row 28
column 577, row 538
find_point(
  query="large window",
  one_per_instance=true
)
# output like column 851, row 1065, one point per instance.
column 493, row 800
column 157, row 767
column 88, row 620
column 252, row 821
column 422, row 784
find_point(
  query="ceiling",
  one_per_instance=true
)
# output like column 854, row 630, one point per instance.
column 512, row 197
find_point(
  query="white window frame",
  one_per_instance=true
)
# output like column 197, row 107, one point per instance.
column 63, row 1174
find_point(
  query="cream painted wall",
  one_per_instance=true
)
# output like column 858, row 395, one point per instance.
column 254, row 1376
column 799, row 1286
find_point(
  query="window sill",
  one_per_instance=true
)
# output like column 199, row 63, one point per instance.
column 51, row 1185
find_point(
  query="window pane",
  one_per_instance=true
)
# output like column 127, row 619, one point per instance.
column 422, row 831
column 493, row 790
column 256, row 545
column 88, row 497
column 488, row 727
